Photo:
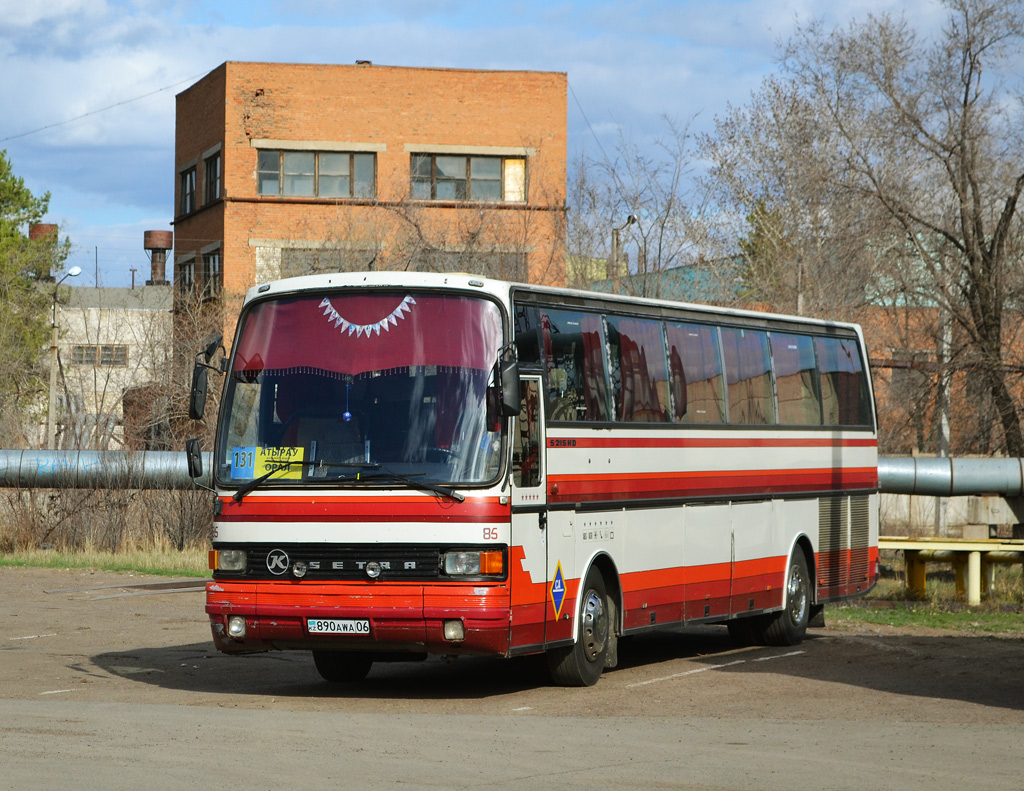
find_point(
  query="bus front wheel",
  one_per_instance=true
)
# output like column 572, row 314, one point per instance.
column 342, row 667
column 581, row 664
column 789, row 625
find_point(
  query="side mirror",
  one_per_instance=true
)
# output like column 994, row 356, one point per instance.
column 200, row 388
column 211, row 347
column 201, row 379
column 510, row 398
column 194, row 457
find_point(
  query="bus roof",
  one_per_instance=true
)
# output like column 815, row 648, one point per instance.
column 502, row 289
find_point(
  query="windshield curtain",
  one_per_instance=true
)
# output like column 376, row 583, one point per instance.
column 323, row 387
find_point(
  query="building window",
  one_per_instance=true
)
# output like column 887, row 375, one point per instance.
column 316, row 174
column 105, row 356
column 211, row 178
column 446, row 177
column 188, row 192
column 213, row 280
column 185, row 274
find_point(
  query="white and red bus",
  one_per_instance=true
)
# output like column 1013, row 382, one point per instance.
column 410, row 464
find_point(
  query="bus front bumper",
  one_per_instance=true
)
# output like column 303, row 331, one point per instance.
column 416, row 619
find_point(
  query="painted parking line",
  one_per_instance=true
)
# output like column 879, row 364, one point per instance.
column 706, row 668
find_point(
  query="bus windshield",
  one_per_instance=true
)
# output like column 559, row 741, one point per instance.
column 362, row 386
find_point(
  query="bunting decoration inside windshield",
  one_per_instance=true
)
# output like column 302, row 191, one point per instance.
column 386, row 323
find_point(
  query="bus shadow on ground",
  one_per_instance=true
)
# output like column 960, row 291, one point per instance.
column 975, row 670
column 199, row 668
column 978, row 670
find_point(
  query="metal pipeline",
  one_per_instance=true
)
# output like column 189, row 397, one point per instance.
column 98, row 469
column 951, row 476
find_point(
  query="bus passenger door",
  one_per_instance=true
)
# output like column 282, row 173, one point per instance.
column 528, row 545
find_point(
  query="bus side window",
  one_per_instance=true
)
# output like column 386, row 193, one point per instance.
column 795, row 380
column 748, row 374
column 527, row 331
column 573, row 349
column 526, row 438
column 698, row 387
column 637, row 369
column 844, row 389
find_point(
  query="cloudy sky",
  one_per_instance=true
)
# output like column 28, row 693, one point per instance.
column 88, row 86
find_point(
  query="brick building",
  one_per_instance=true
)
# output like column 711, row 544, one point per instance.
column 286, row 169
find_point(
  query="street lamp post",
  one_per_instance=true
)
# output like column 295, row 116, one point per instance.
column 615, row 252
column 51, row 426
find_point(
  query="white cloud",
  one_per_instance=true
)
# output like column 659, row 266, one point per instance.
column 19, row 14
column 628, row 64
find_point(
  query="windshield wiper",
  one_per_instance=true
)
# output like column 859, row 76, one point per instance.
column 255, row 482
column 444, row 491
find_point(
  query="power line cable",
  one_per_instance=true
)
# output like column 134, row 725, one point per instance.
column 604, row 154
column 102, row 109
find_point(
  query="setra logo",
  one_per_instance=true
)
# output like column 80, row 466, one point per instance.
column 277, row 561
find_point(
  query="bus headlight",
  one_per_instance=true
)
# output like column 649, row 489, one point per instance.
column 228, row 560
column 473, row 563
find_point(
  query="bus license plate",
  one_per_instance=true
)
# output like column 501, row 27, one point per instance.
column 338, row 625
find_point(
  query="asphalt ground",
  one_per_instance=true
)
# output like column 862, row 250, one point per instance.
column 107, row 682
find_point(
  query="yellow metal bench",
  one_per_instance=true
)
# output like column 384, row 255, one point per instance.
column 973, row 561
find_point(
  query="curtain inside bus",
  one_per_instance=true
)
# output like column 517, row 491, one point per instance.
column 356, row 334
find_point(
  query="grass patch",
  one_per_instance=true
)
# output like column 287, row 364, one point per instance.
column 164, row 562
column 987, row 619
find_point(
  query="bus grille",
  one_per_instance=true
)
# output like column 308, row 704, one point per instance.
column 398, row 562
column 844, row 527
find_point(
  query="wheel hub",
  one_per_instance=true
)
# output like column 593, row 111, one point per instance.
column 797, row 594
column 594, row 626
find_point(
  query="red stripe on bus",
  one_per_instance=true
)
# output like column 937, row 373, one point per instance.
column 708, row 442
column 566, row 488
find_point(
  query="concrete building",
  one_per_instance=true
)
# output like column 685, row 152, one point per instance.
column 286, row 169
column 113, row 343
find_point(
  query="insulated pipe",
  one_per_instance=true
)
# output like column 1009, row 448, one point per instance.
column 98, row 469
column 951, row 476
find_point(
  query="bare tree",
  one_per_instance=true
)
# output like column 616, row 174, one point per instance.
column 909, row 150
column 770, row 171
column 654, row 185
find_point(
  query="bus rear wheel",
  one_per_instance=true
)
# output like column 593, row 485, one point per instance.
column 581, row 664
column 788, row 626
column 342, row 667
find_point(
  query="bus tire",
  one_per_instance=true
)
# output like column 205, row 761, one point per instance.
column 744, row 631
column 788, row 626
column 342, row 667
column 581, row 664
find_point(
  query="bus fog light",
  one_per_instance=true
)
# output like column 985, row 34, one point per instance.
column 236, row 626
column 454, row 631
column 299, row 569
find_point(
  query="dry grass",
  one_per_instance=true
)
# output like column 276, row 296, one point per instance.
column 163, row 560
column 105, row 520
